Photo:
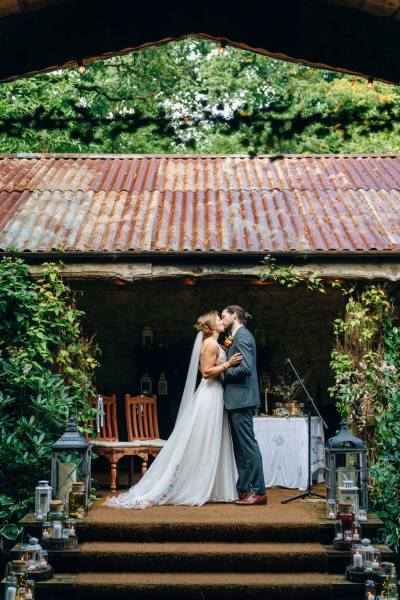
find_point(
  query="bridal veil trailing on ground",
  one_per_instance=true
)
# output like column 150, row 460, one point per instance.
column 197, row 462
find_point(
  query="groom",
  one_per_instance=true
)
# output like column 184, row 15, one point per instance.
column 241, row 395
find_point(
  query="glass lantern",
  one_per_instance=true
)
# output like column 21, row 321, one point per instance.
column 330, row 509
column 71, row 524
column 42, row 499
column 367, row 552
column 147, row 337
column 376, row 560
column 369, row 590
column 32, row 554
column 346, row 460
column 338, row 530
column 71, row 460
column 44, row 559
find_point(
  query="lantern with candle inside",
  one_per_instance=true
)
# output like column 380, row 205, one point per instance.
column 330, row 509
column 376, row 559
column 147, row 337
column 73, row 450
column 146, row 385
column 369, row 590
column 47, row 529
column 71, row 524
column 346, row 460
column 30, row 590
column 42, row 499
column 31, row 554
column 356, row 531
column 367, row 551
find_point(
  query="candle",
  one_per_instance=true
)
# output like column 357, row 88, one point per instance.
column 11, row 592
column 331, row 515
column 357, row 560
column 370, row 596
column 57, row 530
column 356, row 537
column 375, row 565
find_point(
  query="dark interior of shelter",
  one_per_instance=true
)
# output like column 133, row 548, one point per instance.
column 295, row 324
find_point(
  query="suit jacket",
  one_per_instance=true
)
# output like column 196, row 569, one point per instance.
column 241, row 382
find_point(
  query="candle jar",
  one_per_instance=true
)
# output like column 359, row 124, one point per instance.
column 345, row 515
column 71, row 524
column 18, row 569
column 65, row 533
column 357, row 562
column 57, row 511
column 11, row 587
column 369, row 590
column 376, row 559
column 57, row 530
column 338, row 530
column 30, row 590
column 330, row 509
column 47, row 530
column 367, row 552
column 356, row 531
column 43, row 559
column 76, row 500
column 42, row 499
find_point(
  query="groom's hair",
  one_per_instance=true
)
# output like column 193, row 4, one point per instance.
column 243, row 316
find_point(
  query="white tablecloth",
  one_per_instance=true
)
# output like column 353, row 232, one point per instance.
column 284, row 449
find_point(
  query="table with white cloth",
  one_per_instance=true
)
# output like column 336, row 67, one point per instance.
column 284, row 449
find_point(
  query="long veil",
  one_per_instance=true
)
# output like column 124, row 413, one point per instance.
column 157, row 483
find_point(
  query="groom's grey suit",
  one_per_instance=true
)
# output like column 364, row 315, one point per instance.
column 241, row 395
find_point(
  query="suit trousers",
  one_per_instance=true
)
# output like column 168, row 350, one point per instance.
column 247, row 453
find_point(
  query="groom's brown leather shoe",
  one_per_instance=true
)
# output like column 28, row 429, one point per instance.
column 243, row 495
column 252, row 500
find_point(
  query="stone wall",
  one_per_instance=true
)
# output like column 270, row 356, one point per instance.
column 294, row 323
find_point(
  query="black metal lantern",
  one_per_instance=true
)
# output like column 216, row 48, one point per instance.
column 70, row 462
column 346, row 461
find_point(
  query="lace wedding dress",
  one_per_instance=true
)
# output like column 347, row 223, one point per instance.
column 197, row 463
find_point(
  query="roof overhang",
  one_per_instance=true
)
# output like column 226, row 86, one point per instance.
column 352, row 36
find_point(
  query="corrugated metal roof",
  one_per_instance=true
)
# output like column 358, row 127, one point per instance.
column 188, row 173
column 200, row 204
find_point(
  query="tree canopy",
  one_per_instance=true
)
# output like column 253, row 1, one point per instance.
column 189, row 97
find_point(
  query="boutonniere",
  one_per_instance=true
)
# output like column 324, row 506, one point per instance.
column 228, row 341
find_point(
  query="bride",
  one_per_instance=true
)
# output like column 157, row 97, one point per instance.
column 197, row 464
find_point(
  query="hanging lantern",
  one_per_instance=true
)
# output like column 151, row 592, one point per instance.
column 346, row 460
column 162, row 385
column 148, row 337
column 146, row 385
column 71, row 460
column 42, row 499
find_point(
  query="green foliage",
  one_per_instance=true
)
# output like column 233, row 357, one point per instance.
column 366, row 365
column 186, row 97
column 46, row 374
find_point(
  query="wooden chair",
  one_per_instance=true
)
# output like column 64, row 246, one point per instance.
column 142, row 427
column 143, row 436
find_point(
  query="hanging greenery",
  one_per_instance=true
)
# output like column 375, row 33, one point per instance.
column 46, row 374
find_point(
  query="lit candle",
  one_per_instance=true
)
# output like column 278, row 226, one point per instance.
column 370, row 596
column 356, row 537
column 375, row 565
column 357, row 560
column 331, row 515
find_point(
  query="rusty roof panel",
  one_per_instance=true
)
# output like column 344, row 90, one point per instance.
column 201, row 221
column 191, row 173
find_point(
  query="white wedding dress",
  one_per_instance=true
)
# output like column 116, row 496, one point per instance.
column 197, row 463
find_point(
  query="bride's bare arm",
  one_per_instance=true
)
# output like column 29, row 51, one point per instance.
column 209, row 368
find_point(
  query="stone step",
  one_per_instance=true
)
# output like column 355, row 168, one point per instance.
column 193, row 557
column 199, row 586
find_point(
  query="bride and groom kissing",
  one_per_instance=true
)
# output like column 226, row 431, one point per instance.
column 212, row 454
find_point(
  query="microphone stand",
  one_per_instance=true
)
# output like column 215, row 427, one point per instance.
column 308, row 493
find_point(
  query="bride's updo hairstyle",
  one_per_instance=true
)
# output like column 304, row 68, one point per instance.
column 206, row 323
column 243, row 316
